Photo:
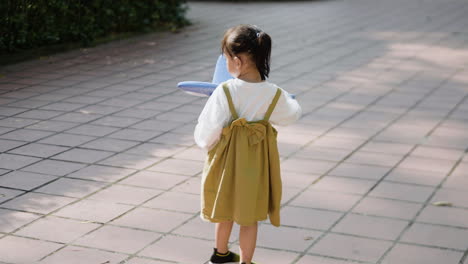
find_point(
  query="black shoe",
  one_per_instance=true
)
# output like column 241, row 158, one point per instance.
column 229, row 257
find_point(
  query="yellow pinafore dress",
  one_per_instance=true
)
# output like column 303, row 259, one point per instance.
column 241, row 179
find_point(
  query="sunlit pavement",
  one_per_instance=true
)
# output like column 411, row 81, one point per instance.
column 98, row 163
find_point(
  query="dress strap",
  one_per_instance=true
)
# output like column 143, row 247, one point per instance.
column 272, row 105
column 231, row 105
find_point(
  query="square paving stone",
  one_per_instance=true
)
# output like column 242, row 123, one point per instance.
column 83, row 99
column 263, row 255
column 370, row 226
column 67, row 140
column 39, row 150
column 456, row 197
column 192, row 185
column 294, row 239
column 441, row 236
column 181, row 117
column 378, row 159
column 92, row 130
column 387, row 147
column 101, row 173
column 130, row 161
column 6, row 194
column 343, row 184
column 152, row 219
column 415, row 176
column 437, row 153
column 193, row 153
column 91, row 210
column 24, row 180
column 307, row 259
column 307, row 166
column 125, row 194
column 77, row 117
column 410, row 254
column 459, row 178
column 17, row 122
column 135, row 134
column 116, row 101
column 26, row 135
column 118, row 239
column 323, row 153
column 62, row 106
column 14, row 162
column 23, row 250
column 297, row 180
column 38, row 203
column 360, row 171
column 461, row 169
column 54, row 167
column 71, row 187
column 339, row 142
column 64, row 230
column 350, row 247
column 157, row 150
column 157, row 125
column 138, row 113
column 287, row 195
column 177, row 166
column 157, row 180
column 175, row 139
column 169, row 247
column 6, row 145
column 80, row 255
column 287, row 149
column 182, row 202
column 144, row 261
column 349, row 132
column 400, row 191
column 11, row 220
column 434, row 165
column 388, row 208
column 83, row 155
column 308, row 218
column 11, row 111
column 115, row 121
column 51, row 125
column 98, row 109
column 200, row 228
column 444, row 216
column 326, row 200
column 39, row 114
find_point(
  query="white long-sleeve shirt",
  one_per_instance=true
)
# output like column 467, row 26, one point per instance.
column 251, row 101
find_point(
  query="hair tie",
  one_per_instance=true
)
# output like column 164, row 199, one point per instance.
column 258, row 34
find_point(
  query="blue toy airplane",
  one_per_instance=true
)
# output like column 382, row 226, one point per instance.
column 220, row 75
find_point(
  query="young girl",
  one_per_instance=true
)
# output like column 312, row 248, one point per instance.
column 241, row 179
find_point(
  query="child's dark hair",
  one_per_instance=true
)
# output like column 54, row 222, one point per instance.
column 251, row 40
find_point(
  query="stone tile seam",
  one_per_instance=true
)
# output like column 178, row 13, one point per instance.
column 393, row 121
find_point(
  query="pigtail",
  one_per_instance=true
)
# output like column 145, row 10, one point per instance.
column 251, row 40
column 262, row 54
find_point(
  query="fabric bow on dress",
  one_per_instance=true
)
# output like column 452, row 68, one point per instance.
column 257, row 130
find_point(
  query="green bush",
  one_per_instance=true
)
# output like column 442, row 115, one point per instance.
column 26, row 24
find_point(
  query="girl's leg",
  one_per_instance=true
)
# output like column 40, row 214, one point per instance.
column 222, row 234
column 248, row 242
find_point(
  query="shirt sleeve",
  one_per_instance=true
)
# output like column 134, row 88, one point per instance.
column 287, row 110
column 214, row 116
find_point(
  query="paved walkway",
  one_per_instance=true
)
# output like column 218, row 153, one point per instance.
column 98, row 164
